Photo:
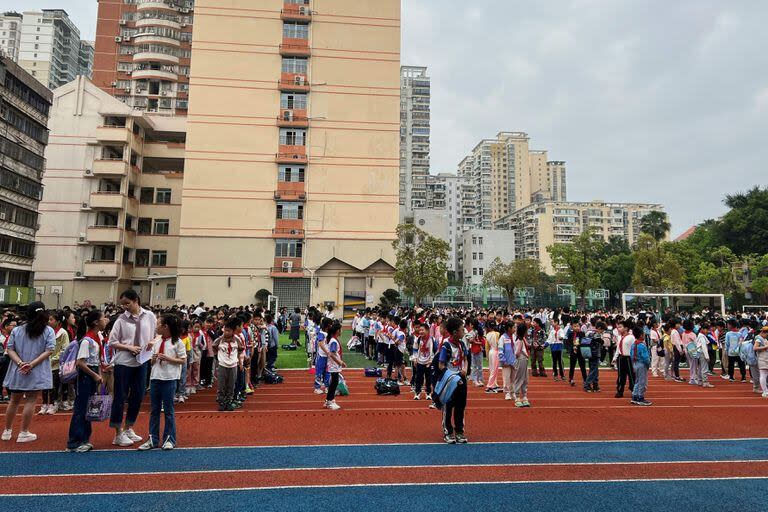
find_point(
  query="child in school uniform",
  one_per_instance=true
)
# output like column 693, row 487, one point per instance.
column 702, row 343
column 522, row 351
column 335, row 364
column 453, row 355
column 641, row 361
column 229, row 352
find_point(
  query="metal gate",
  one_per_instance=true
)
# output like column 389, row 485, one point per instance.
column 292, row 292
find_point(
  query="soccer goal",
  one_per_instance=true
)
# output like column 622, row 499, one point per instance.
column 674, row 300
column 452, row 303
column 759, row 307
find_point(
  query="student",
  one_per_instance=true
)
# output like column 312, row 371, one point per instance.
column 133, row 333
column 688, row 337
column 733, row 339
column 8, row 325
column 51, row 396
column 401, row 347
column 89, row 364
column 656, row 348
column 677, row 348
column 572, row 344
column 592, row 384
column 507, row 358
column 641, row 361
column 522, row 351
column 322, row 377
column 666, row 340
column 492, row 338
column 169, row 356
column 761, row 350
column 538, row 340
column 424, row 355
column 229, row 352
column 555, row 342
column 29, row 349
column 193, row 375
column 181, row 394
column 205, row 344
column 294, row 321
column 623, row 360
column 335, row 364
column 274, row 338
column 453, row 356
column 475, row 344
column 702, row 345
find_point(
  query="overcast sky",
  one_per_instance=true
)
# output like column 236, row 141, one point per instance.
column 646, row 100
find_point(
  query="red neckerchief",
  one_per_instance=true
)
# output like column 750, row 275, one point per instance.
column 424, row 345
column 461, row 353
column 162, row 346
column 621, row 344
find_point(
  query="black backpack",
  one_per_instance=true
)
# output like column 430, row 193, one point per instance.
column 272, row 377
column 386, row 387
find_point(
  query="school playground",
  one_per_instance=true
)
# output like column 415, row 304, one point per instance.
column 694, row 449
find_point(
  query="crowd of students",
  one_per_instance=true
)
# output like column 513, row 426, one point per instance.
column 126, row 351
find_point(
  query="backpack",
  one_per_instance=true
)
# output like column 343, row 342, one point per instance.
column 386, row 387
column 586, row 348
column 272, row 377
column 693, row 350
column 373, row 372
column 747, row 353
column 445, row 387
column 288, row 347
column 68, row 363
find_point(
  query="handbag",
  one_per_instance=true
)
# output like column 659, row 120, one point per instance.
column 342, row 388
column 99, row 406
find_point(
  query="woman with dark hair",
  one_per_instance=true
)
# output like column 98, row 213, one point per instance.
column 29, row 348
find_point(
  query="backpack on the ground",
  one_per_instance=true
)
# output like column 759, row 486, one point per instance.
column 387, row 387
column 272, row 377
column 342, row 388
column 288, row 347
column 68, row 363
column 373, row 372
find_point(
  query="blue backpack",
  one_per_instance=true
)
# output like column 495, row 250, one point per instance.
column 68, row 363
column 747, row 353
column 446, row 386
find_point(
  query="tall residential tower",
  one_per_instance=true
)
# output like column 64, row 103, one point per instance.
column 414, row 139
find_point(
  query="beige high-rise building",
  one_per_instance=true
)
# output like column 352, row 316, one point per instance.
column 292, row 157
column 111, row 206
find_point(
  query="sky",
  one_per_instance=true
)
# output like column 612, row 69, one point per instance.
column 646, row 101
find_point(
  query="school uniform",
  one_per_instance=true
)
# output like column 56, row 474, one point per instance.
column 228, row 357
column 520, row 385
column 624, row 364
column 424, row 355
column 80, row 428
column 555, row 342
column 163, row 378
column 507, row 361
column 454, row 357
column 334, row 369
column 702, row 343
column 641, row 360
column 322, row 377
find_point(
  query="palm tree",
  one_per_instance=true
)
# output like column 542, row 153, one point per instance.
column 655, row 223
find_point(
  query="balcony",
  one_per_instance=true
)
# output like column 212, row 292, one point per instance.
column 155, row 5
column 107, row 200
column 295, row 48
column 113, row 134
column 293, row 12
column 110, row 168
column 288, row 268
column 158, row 22
column 102, row 269
column 155, row 57
column 288, row 233
column 291, row 155
column 293, row 118
column 293, row 82
column 154, row 73
column 147, row 38
column 290, row 195
column 104, row 235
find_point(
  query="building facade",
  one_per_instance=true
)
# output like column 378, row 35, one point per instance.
column 111, row 210
column 292, row 156
column 540, row 225
column 415, row 94
column 480, row 247
column 10, row 34
column 51, row 48
column 24, row 108
column 143, row 51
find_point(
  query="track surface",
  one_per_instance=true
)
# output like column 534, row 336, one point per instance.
column 283, row 450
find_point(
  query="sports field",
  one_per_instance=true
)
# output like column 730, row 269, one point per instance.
column 694, row 449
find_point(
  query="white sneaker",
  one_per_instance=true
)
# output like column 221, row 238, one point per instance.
column 168, row 445
column 508, row 396
column 147, row 445
column 132, row 435
column 43, row 410
column 765, row 395
column 334, row 406
column 7, row 434
column 318, row 391
column 53, row 409
column 416, row 397
column 122, row 440
column 26, row 437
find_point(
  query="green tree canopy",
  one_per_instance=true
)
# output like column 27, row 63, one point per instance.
column 422, row 268
column 655, row 224
column 744, row 229
column 656, row 268
column 515, row 274
column 579, row 262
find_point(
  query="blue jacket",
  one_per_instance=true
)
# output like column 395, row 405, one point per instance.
column 639, row 353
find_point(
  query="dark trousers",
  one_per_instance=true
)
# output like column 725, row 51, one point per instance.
column 676, row 360
column 712, row 357
column 732, row 362
column 161, row 395
column 79, row 427
column 625, row 372
column 130, row 386
column 5, row 362
column 576, row 357
column 537, row 362
column 254, row 368
column 240, row 382
column 331, row 394
column 390, row 355
column 206, row 370
column 271, row 357
column 557, row 363
column 594, row 374
column 422, row 377
column 453, row 411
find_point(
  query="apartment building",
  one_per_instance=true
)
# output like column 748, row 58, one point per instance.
column 539, row 225
column 111, row 209
column 143, row 51
column 480, row 247
column 440, row 216
column 10, row 34
column 415, row 93
column 24, row 106
column 51, row 48
column 292, row 156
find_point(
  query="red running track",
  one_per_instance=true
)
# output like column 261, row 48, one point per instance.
column 289, row 413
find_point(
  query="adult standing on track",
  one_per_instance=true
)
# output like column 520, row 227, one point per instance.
column 133, row 332
column 29, row 349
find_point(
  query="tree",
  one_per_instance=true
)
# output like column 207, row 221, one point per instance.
column 389, row 298
column 262, row 296
column 655, row 224
column 616, row 273
column 744, row 229
column 422, row 266
column 515, row 274
column 579, row 262
column 656, row 269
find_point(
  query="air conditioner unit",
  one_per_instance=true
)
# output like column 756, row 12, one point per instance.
column 183, row 25
column 299, row 80
column 277, row 195
column 287, row 266
column 118, row 39
column 2, row 215
column 85, row 206
column 78, row 274
column 89, row 172
column 127, row 89
column 185, row 11
column 113, row 84
column 304, row 11
column 81, row 238
column 288, row 115
column 123, row 22
column 127, row 38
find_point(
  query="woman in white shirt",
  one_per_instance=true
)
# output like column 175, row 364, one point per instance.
column 169, row 354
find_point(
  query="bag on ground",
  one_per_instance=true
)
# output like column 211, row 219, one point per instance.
column 387, row 387
column 373, row 372
column 342, row 388
column 272, row 377
column 288, row 347
column 99, row 406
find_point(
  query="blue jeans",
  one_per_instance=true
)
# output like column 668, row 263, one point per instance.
column 594, row 372
column 79, row 427
column 181, row 384
column 130, row 384
column 161, row 394
column 322, row 377
column 641, row 380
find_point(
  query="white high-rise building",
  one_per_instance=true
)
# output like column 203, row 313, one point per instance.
column 414, row 139
column 10, row 34
column 51, row 48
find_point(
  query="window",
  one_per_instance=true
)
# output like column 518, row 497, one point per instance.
column 104, row 253
column 296, row 65
column 474, row 255
column 290, row 211
column 292, row 137
column 163, row 196
column 290, row 174
column 480, row 240
column 474, row 271
column 480, row 271
column 293, row 101
column 144, row 226
column 162, row 226
column 170, row 291
column 142, row 257
column 159, row 258
column 288, row 249
column 146, row 195
column 295, row 30
column 480, row 256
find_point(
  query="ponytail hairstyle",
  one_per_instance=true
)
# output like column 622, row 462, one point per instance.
column 173, row 324
column 37, row 319
column 521, row 331
column 60, row 317
column 334, row 328
column 131, row 295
